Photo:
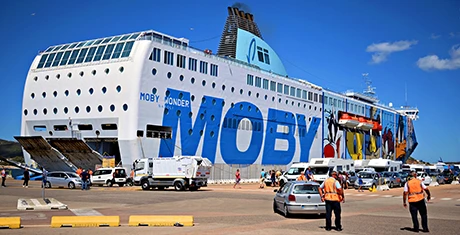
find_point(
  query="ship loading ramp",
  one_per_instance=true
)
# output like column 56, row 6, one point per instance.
column 60, row 154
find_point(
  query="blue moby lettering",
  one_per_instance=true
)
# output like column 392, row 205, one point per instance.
column 149, row 97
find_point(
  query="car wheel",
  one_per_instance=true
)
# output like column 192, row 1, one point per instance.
column 178, row 186
column 47, row 184
column 145, row 185
column 391, row 185
column 71, row 185
column 286, row 212
column 275, row 209
column 109, row 183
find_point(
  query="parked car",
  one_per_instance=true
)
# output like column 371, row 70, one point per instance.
column 392, row 179
column 370, row 179
column 62, row 179
column 352, row 177
column 448, row 176
column 298, row 197
column 109, row 177
column 440, row 179
column 404, row 176
column 424, row 177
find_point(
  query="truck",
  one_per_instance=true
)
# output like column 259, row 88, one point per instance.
column 180, row 172
column 323, row 167
column 381, row 165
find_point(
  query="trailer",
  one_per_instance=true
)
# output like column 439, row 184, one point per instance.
column 323, row 167
column 381, row 165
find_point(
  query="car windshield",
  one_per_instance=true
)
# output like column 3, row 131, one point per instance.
column 366, row 175
column 295, row 170
column 320, row 170
column 386, row 174
column 73, row 175
column 305, row 189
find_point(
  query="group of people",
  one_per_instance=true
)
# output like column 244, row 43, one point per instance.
column 306, row 176
column 85, row 177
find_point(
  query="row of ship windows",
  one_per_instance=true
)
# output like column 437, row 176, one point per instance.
column 181, row 62
column 69, row 75
column 100, row 108
column 85, row 55
column 78, row 92
column 81, row 127
column 283, row 88
column 341, row 104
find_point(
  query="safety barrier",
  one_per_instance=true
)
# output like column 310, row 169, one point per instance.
column 10, row 222
column 85, row 221
column 454, row 182
column 161, row 220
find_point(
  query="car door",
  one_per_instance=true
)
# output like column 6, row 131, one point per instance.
column 53, row 178
column 96, row 178
column 281, row 195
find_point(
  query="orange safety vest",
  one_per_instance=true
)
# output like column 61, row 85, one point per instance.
column 415, row 190
column 302, row 178
column 331, row 190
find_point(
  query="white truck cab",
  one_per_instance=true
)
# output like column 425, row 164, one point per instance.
column 294, row 172
column 323, row 167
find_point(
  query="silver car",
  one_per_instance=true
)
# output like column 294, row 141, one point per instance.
column 370, row 179
column 62, row 179
column 299, row 197
column 393, row 179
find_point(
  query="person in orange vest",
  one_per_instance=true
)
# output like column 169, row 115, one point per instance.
column 332, row 193
column 302, row 177
column 79, row 170
column 413, row 191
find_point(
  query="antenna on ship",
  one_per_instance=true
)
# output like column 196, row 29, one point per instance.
column 370, row 90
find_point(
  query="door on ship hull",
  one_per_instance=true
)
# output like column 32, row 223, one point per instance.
column 105, row 147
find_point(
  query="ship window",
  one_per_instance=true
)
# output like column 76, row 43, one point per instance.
column 258, row 82
column 82, row 55
column 115, row 39
column 292, row 93
column 89, row 56
column 72, row 45
column 204, row 67
column 298, row 93
column 316, row 98
column 140, row 133
column 60, row 127
column 214, row 70
column 35, row 111
column 156, row 55
column 162, row 132
column 279, row 89
column 49, row 49
column 304, row 94
column 104, row 90
column 77, row 109
column 192, row 80
column 57, row 59
column 321, row 99
column 125, row 107
column 78, row 92
column 108, row 51
column 260, row 55
column 55, row 93
column 100, row 108
column 192, row 64
column 203, row 83
column 66, row 110
column 117, row 52
column 118, row 88
column 106, row 40
column 134, row 36
column 64, row 47
column 73, row 57
column 42, row 61
column 267, row 58
column 65, row 58
column 265, row 84
column 99, row 53
column 88, row 109
column 272, row 86
column 44, row 94
column 310, row 96
column 127, row 49
column 85, row 127
column 112, row 107
column 168, row 58
column 286, row 89
column 55, row 110
column 50, row 60
column 39, row 128
column 109, row 126
column 180, row 61
column 250, row 80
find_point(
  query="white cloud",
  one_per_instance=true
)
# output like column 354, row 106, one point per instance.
column 434, row 36
column 454, row 34
column 383, row 50
column 433, row 62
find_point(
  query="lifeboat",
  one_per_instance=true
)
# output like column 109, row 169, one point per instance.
column 348, row 121
column 376, row 126
column 365, row 124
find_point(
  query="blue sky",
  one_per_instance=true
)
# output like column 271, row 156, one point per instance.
column 330, row 43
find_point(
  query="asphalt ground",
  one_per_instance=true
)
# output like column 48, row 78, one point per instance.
column 221, row 209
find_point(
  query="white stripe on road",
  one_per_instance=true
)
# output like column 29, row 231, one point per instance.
column 373, row 195
column 387, row 196
column 446, row 199
column 399, row 197
column 358, row 195
column 85, row 212
column 36, row 202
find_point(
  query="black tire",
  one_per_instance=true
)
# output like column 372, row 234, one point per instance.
column 391, row 185
column 47, row 184
column 71, row 185
column 109, row 183
column 178, row 186
column 286, row 212
column 145, row 185
column 275, row 209
column 121, row 184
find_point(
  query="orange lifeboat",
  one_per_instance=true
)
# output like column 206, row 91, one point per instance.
column 376, row 126
column 365, row 124
column 348, row 121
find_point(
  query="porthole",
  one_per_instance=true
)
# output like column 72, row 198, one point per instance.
column 285, row 115
column 66, row 110
column 201, row 133
column 93, row 72
column 66, row 92
column 154, row 91
column 104, row 90
column 249, row 93
column 54, row 93
column 88, row 109
column 223, row 87
column 190, row 132
column 192, row 80
column 257, row 95
column 77, row 109
column 192, row 98
column 178, row 113
column 50, row 133
column 203, row 83
column 190, row 114
column 315, row 108
column 69, row 75
column 213, row 118
column 223, row 103
column 125, row 107
column 58, row 76
column 167, row 93
column 320, row 109
column 169, row 74
column 298, row 104
column 233, row 89
column 309, row 107
column 292, row 103
column 154, row 71
column 202, row 116
column 91, row 91
column 273, row 99
column 304, row 105
column 211, row 133
column 44, row 94
column 213, row 85
column 55, row 110
column 181, row 95
column 119, row 88
column 279, row 100
column 241, row 107
column 121, row 69
column 82, row 73
column 107, row 70
column 232, row 105
column 100, row 108
column 35, row 111
column 26, row 112
column 309, row 119
column 166, row 111
column 78, row 92
column 32, row 95
column 265, row 97
column 287, row 101
column 213, row 101
column 181, row 78
column 35, row 78
column 47, row 77
column 249, row 108
column 203, row 100
column 97, row 132
column 241, row 91
column 112, row 107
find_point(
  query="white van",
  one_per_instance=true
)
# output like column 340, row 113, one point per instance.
column 109, row 176
column 323, row 167
column 294, row 172
column 381, row 165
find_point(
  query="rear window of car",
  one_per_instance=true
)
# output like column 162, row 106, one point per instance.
column 305, row 189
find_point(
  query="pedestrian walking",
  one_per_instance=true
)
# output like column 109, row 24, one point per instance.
column 332, row 193
column 262, row 179
column 26, row 178
column 360, row 183
column 413, row 192
column 84, row 180
column 237, row 178
column 44, row 177
column 3, row 177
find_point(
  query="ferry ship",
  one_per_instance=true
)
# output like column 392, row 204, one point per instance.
column 149, row 94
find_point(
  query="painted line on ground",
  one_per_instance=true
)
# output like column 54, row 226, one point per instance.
column 85, row 212
column 446, row 199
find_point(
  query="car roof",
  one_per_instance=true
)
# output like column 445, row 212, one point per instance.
column 304, row 182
